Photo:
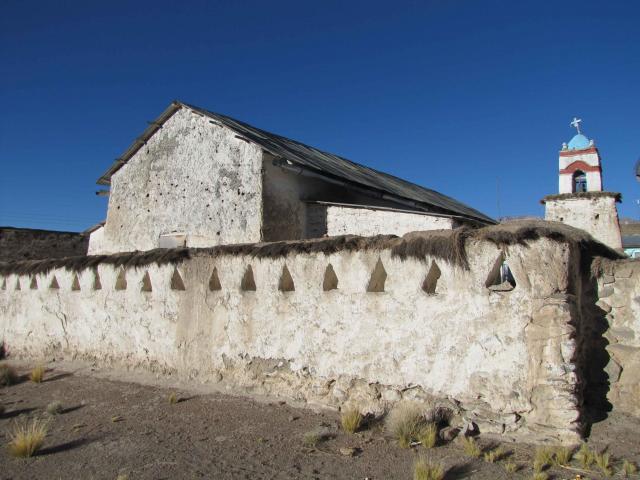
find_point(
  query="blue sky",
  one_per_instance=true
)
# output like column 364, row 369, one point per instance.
column 470, row 98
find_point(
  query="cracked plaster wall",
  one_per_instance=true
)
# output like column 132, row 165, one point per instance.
column 501, row 359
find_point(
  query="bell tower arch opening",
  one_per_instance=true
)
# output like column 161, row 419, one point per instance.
column 579, row 181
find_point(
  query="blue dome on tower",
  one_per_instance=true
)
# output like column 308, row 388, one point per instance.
column 579, row 142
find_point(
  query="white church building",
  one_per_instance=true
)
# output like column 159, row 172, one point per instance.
column 581, row 201
column 196, row 178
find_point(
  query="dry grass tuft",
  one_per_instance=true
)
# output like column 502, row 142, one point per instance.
column 428, row 435
column 27, row 437
column 172, row 398
column 404, row 422
column 543, row 459
column 470, row 447
column 562, row 455
column 54, row 408
column 315, row 436
column 603, row 461
column 425, row 469
column 8, row 375
column 351, row 420
column 511, row 467
column 492, row 456
column 585, row 456
column 629, row 468
column 37, row 374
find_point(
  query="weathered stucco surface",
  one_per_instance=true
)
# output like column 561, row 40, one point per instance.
column 504, row 359
column 619, row 298
column 192, row 176
column 598, row 216
column 343, row 219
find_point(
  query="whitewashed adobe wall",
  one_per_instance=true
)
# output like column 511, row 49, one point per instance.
column 504, row 358
column 597, row 216
column 342, row 220
column 192, row 176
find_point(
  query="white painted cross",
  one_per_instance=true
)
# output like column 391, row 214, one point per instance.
column 576, row 123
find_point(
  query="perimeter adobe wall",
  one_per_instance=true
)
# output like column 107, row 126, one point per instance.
column 619, row 298
column 500, row 358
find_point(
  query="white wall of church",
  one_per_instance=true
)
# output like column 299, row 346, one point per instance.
column 342, row 220
column 597, row 215
column 192, row 176
column 594, row 182
column 565, row 184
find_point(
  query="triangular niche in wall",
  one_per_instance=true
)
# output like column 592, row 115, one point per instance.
column 500, row 278
column 75, row 285
column 214, row 281
column 121, row 280
column 248, row 284
column 34, row 283
column 54, row 285
column 286, row 281
column 431, row 280
column 146, row 283
column 378, row 278
column 4, row 284
column 176, row 281
column 97, row 284
column 18, row 284
column 330, row 281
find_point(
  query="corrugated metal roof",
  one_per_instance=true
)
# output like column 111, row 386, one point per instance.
column 317, row 160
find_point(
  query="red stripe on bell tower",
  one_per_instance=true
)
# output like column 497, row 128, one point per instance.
column 580, row 165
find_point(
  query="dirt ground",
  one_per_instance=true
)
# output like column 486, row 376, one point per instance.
column 114, row 429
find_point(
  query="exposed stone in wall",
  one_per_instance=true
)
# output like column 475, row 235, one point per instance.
column 596, row 214
column 192, row 176
column 503, row 359
column 619, row 299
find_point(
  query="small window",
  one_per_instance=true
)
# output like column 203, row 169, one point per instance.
column 579, row 182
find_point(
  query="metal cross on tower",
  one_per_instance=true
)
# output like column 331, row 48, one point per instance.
column 576, row 123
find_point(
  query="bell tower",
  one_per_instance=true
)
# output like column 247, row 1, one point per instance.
column 580, row 169
column 581, row 201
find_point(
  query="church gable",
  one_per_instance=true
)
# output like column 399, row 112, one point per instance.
column 190, row 175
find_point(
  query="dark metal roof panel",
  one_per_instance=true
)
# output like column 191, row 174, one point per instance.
column 341, row 167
